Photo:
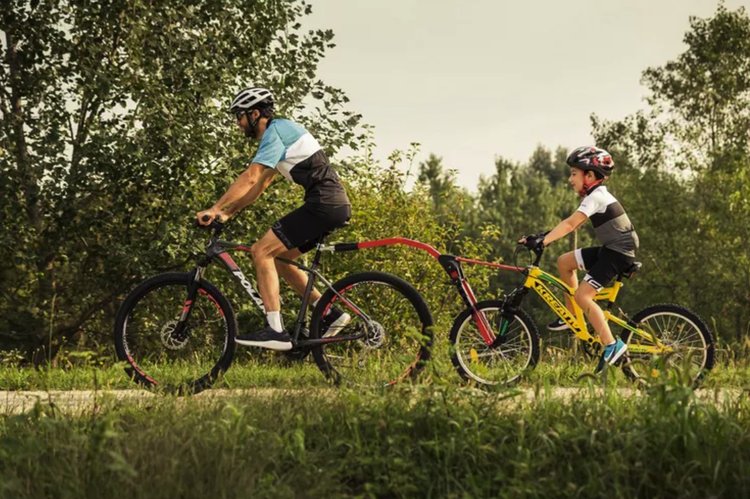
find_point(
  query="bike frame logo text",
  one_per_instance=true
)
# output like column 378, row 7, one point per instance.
column 555, row 304
column 248, row 287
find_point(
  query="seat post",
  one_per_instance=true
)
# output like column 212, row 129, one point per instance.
column 318, row 252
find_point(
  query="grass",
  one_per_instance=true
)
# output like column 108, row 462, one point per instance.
column 414, row 441
column 435, row 438
column 558, row 367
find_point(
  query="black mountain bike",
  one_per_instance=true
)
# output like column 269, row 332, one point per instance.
column 176, row 330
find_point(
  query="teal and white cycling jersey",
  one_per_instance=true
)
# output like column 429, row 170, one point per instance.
column 293, row 151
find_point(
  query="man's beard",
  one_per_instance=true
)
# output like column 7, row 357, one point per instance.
column 251, row 130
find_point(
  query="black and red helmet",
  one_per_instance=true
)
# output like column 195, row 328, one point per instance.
column 591, row 158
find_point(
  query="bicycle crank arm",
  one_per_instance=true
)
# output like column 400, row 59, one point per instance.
column 650, row 349
column 325, row 341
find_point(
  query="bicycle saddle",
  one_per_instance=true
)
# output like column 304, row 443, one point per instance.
column 628, row 273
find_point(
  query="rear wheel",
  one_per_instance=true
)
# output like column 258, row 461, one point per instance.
column 391, row 324
column 507, row 359
column 671, row 337
column 161, row 352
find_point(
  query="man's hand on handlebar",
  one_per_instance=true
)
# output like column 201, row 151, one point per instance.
column 206, row 217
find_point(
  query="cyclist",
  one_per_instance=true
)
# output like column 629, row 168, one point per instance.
column 589, row 169
column 287, row 148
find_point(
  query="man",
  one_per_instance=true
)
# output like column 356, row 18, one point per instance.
column 286, row 148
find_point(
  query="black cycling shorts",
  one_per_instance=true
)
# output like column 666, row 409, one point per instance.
column 601, row 264
column 303, row 227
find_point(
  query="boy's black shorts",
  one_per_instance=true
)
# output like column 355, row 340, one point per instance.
column 601, row 264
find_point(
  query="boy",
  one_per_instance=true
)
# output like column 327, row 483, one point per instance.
column 589, row 168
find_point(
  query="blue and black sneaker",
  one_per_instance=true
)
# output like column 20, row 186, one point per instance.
column 612, row 354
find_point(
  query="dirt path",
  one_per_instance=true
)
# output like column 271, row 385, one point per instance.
column 83, row 401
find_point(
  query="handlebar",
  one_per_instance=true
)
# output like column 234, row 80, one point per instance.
column 216, row 226
column 538, row 250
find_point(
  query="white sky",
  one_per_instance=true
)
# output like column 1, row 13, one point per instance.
column 475, row 79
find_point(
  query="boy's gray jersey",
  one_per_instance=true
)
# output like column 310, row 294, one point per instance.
column 611, row 224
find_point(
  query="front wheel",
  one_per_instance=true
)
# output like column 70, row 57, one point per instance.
column 162, row 352
column 668, row 336
column 389, row 330
column 504, row 361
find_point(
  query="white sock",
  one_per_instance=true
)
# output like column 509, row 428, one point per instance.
column 315, row 302
column 274, row 320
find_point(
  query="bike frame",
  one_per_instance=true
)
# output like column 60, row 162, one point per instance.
column 536, row 279
column 219, row 250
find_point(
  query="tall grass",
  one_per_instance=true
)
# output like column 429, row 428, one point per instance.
column 414, row 441
column 558, row 366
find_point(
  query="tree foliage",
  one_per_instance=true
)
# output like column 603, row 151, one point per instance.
column 114, row 132
column 686, row 161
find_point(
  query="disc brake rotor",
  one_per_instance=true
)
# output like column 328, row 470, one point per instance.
column 170, row 338
column 375, row 335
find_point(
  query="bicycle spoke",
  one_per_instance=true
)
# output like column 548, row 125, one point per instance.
column 391, row 330
column 668, row 337
column 500, row 363
column 167, row 352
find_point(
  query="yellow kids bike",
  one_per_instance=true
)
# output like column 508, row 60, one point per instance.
column 505, row 344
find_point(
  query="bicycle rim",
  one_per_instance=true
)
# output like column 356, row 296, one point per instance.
column 394, row 336
column 161, row 355
column 687, row 345
column 502, row 364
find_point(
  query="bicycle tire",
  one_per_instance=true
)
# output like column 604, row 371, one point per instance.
column 675, row 326
column 397, row 342
column 506, row 363
column 156, row 356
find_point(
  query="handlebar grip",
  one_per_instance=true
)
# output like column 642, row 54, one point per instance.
column 215, row 224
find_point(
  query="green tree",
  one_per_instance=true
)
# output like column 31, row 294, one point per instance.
column 114, row 133
column 705, row 92
column 451, row 204
column 522, row 199
column 550, row 165
column 685, row 162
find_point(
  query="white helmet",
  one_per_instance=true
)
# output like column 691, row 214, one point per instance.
column 249, row 98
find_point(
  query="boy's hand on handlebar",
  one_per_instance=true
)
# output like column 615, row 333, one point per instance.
column 533, row 242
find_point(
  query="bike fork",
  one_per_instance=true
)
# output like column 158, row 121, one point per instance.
column 510, row 305
column 187, row 306
column 453, row 267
